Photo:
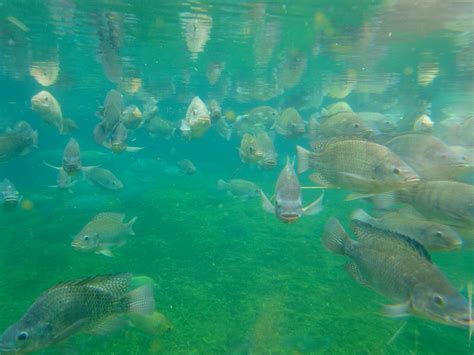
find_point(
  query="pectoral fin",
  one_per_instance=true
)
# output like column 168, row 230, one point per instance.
column 266, row 204
column 106, row 252
column 315, row 207
column 133, row 149
column 356, row 177
column 73, row 328
column 396, row 310
column 357, row 196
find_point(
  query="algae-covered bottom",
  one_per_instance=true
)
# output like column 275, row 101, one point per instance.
column 230, row 278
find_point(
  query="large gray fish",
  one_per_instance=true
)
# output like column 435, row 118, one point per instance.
column 9, row 195
column 92, row 305
column 288, row 200
column 431, row 234
column 400, row 269
column 103, row 178
column 110, row 115
column 362, row 166
column 105, row 231
column 20, row 140
column 428, row 156
column 72, row 163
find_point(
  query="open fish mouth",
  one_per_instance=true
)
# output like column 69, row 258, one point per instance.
column 465, row 322
column 412, row 179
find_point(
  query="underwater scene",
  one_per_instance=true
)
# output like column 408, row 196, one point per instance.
column 236, row 177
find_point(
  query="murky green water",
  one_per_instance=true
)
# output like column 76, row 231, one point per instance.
column 231, row 278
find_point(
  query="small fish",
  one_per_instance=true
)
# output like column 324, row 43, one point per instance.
column 423, row 124
column 378, row 123
column 288, row 200
column 239, row 188
column 132, row 117
column 290, row 124
column 215, row 110
column 197, row 120
column 249, row 150
column 103, row 178
column 92, row 305
column 19, row 141
column 364, row 167
column 400, row 269
column 9, row 195
column 49, row 109
column 110, row 116
column 118, row 141
column 343, row 124
column 71, row 161
column 258, row 119
column 105, row 231
column 432, row 235
column 223, row 129
column 64, row 181
column 160, row 127
column 265, row 145
column 187, row 167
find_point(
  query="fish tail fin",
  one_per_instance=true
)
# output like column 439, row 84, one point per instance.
column 130, row 225
column 141, row 300
column 302, row 156
column 360, row 215
column 335, row 237
column 221, row 185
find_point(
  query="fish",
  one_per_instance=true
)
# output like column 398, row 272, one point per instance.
column 432, row 235
column 239, row 188
column 343, row 124
column 400, row 269
column 288, row 205
column 110, row 116
column 131, row 117
column 290, row 70
column 9, row 195
column 105, row 231
column 423, row 124
column 249, row 151
column 290, row 124
column 215, row 110
column 448, row 202
column 64, row 181
column 337, row 107
column 19, row 141
column 428, row 156
column 258, row 119
column 378, row 123
column 93, row 305
column 214, row 72
column 187, row 167
column 223, row 129
column 364, row 167
column 196, row 30
column 269, row 158
column 48, row 108
column 197, row 120
column 160, row 127
column 103, row 178
column 458, row 130
column 118, row 141
column 71, row 160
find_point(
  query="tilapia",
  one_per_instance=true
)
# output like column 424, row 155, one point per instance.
column 257, row 119
column 64, row 181
column 160, row 127
column 92, row 305
column 197, row 120
column 49, row 110
column 288, row 205
column 110, row 116
column 428, row 156
column 343, row 124
column 362, row 166
column 103, row 178
column 20, row 140
column 71, row 161
column 400, row 269
column 265, row 145
column 239, row 188
column 448, row 202
column 249, row 150
column 290, row 124
column 432, row 235
column 118, row 141
column 105, row 231
column 187, row 167
column 378, row 123
column 132, row 117
column 9, row 195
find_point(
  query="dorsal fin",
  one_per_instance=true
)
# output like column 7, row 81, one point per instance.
column 319, row 145
column 365, row 230
column 115, row 284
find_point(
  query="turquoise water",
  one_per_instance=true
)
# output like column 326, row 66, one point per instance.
column 231, row 279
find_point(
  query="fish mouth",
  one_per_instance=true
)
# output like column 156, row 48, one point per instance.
column 412, row 179
column 204, row 118
column 289, row 218
column 464, row 322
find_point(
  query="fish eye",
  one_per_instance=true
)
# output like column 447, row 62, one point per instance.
column 22, row 336
column 438, row 300
column 396, row 171
column 356, row 125
column 86, row 237
column 438, row 234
